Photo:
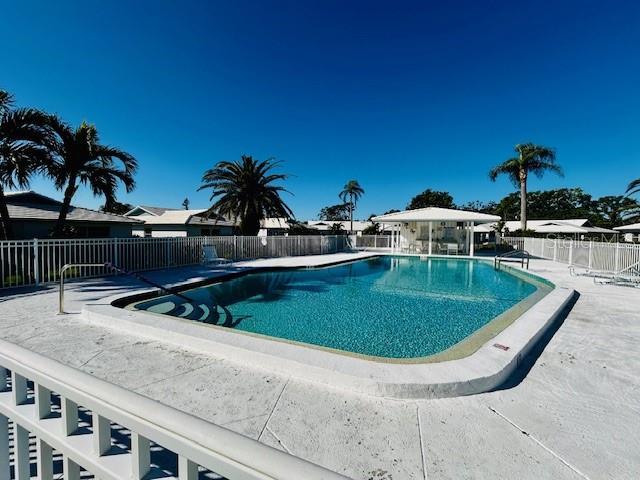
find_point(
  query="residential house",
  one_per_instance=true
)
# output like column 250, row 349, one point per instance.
column 34, row 216
column 167, row 222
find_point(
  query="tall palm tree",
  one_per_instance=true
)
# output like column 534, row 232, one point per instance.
column 80, row 159
column 23, row 150
column 245, row 190
column 634, row 187
column 351, row 191
column 530, row 158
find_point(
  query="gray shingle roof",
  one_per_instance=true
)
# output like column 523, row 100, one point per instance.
column 155, row 210
column 33, row 206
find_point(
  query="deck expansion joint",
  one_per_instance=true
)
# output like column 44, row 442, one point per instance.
column 538, row 442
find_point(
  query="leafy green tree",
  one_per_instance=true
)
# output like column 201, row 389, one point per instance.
column 530, row 158
column 481, row 207
column 80, row 159
column 24, row 150
column 350, row 195
column 431, row 198
column 373, row 229
column 555, row 204
column 334, row 212
column 612, row 211
column 116, row 207
column 246, row 189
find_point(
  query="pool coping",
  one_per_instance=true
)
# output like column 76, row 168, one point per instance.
column 484, row 369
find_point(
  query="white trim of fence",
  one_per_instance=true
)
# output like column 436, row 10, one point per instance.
column 32, row 262
column 195, row 441
column 371, row 241
column 610, row 257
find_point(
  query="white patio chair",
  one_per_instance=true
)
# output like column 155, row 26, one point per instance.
column 452, row 249
column 210, row 256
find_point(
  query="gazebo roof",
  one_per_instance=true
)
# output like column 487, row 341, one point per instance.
column 436, row 214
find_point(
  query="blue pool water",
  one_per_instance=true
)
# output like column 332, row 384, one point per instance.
column 396, row 307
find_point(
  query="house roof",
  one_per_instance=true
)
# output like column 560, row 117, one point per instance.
column 147, row 210
column 358, row 225
column 282, row 223
column 634, row 227
column 183, row 217
column 436, row 214
column 571, row 225
column 30, row 205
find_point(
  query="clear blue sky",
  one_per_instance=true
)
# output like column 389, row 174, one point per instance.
column 401, row 96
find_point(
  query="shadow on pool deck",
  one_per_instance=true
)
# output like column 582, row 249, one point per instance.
column 531, row 358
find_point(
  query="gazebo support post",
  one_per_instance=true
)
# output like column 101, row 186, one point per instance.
column 472, row 240
column 430, row 238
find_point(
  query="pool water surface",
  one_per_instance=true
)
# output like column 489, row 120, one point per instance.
column 393, row 307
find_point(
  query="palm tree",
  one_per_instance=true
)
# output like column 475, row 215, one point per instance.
column 531, row 158
column 23, row 150
column 634, row 187
column 246, row 191
column 80, row 159
column 352, row 191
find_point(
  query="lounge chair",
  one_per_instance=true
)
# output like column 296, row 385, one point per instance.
column 210, row 256
column 629, row 276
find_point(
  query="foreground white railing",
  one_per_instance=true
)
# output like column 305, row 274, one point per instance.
column 613, row 257
column 194, row 441
column 33, row 262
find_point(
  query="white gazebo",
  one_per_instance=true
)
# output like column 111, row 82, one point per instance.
column 630, row 231
column 434, row 230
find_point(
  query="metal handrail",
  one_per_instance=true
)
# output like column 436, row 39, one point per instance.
column 113, row 268
column 62, row 271
column 525, row 256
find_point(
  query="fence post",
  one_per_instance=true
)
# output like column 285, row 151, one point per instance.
column 570, row 252
column 555, row 250
column 116, row 252
column 617, row 257
column 590, row 253
column 36, row 262
column 235, row 247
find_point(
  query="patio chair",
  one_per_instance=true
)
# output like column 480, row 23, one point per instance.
column 452, row 249
column 210, row 256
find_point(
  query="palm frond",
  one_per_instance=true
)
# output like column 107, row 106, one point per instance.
column 634, row 187
column 246, row 190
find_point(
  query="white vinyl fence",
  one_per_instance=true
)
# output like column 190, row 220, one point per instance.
column 116, row 434
column 611, row 257
column 32, row 262
column 372, row 241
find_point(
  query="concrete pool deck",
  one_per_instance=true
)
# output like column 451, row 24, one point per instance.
column 474, row 365
column 575, row 414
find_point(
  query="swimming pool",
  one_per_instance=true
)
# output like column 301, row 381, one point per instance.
column 390, row 307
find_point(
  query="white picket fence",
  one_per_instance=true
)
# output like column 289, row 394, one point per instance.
column 111, row 432
column 32, row 262
column 612, row 257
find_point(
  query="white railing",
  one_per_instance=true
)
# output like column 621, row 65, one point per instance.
column 611, row 257
column 32, row 262
column 47, row 400
column 372, row 241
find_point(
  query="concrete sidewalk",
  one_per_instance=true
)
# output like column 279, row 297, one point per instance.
column 575, row 414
